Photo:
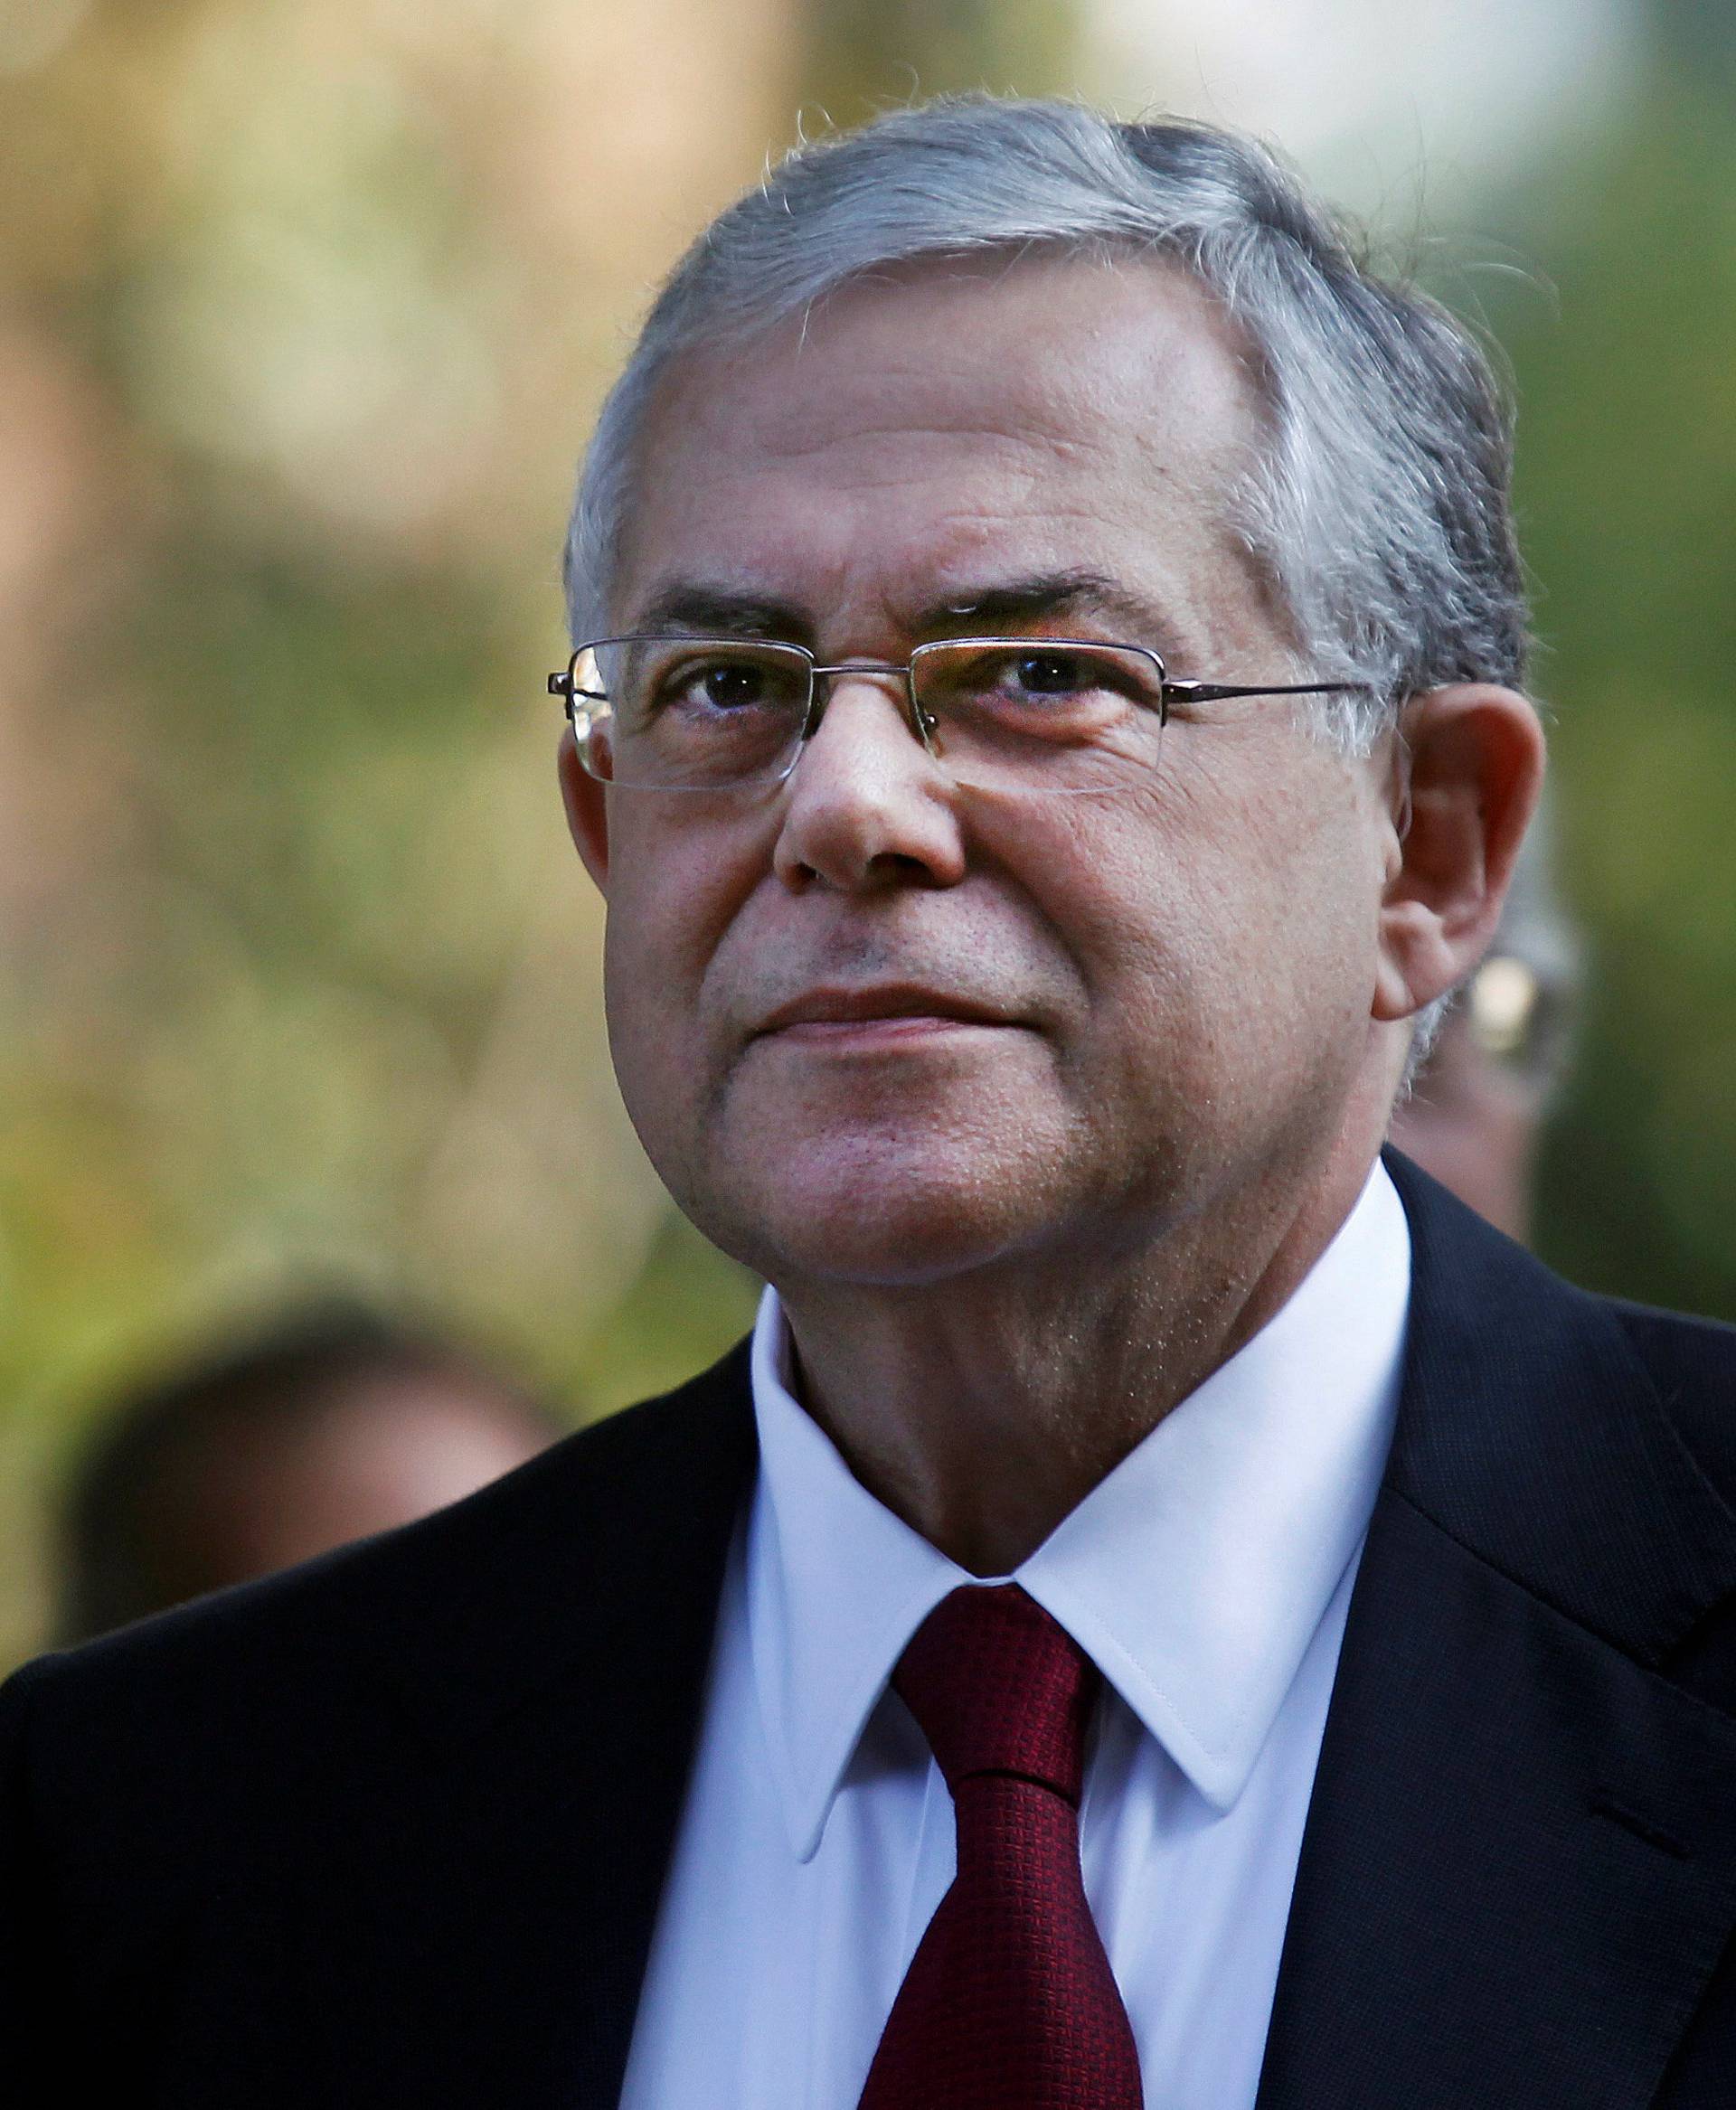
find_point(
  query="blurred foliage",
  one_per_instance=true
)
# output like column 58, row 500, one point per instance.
column 1628, row 507
column 863, row 55
column 305, row 308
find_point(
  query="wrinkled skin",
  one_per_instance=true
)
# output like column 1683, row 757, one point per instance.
column 1133, row 1054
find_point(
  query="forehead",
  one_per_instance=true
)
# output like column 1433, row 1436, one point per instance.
column 929, row 427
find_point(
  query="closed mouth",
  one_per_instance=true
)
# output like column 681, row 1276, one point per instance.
column 888, row 1005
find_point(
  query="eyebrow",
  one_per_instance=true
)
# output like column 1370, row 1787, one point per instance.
column 1047, row 595
column 715, row 610
column 721, row 611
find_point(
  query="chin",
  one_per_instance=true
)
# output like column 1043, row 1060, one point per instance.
column 879, row 1210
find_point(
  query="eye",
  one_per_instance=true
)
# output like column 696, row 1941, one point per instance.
column 1050, row 674
column 728, row 686
column 727, row 683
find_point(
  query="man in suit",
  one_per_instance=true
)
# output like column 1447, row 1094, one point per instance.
column 1169, row 1608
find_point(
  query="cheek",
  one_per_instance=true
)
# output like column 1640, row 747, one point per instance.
column 1226, row 931
column 667, row 908
column 1304, row 925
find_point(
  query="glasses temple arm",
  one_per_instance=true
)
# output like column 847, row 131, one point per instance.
column 1222, row 692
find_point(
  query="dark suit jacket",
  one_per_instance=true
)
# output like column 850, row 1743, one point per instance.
column 391, row 1829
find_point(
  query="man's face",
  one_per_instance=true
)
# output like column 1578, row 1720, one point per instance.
column 871, row 1026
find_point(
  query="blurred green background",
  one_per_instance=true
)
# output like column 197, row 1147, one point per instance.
column 305, row 308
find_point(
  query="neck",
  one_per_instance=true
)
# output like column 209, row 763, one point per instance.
column 983, row 1407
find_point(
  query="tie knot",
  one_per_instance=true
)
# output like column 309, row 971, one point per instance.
column 998, row 1686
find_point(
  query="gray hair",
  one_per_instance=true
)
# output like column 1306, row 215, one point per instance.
column 1379, row 509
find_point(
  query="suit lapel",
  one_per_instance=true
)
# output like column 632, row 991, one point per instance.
column 523, row 1812
column 1520, row 1862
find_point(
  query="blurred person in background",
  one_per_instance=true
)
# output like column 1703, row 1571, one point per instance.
column 330, row 1425
column 1475, row 1115
column 1169, row 1606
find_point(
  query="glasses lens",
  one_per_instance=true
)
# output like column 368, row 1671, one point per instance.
column 1036, row 714
column 691, row 713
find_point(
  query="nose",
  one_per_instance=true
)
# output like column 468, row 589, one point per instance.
column 867, row 807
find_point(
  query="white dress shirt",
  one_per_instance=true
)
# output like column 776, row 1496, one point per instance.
column 1207, row 1577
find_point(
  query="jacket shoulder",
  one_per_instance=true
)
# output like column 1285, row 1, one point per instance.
column 1691, row 1364
column 450, row 1608
column 181, row 1802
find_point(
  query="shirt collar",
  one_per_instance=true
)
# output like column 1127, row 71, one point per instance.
column 1194, row 1575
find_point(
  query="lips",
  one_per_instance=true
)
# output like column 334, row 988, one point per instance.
column 883, row 1003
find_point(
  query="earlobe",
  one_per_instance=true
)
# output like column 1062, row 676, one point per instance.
column 586, row 810
column 1474, row 754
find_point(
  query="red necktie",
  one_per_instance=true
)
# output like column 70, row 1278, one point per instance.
column 1009, row 2003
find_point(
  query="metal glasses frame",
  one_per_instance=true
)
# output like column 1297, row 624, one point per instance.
column 565, row 683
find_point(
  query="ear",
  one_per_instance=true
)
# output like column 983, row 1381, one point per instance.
column 587, row 808
column 1468, row 767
